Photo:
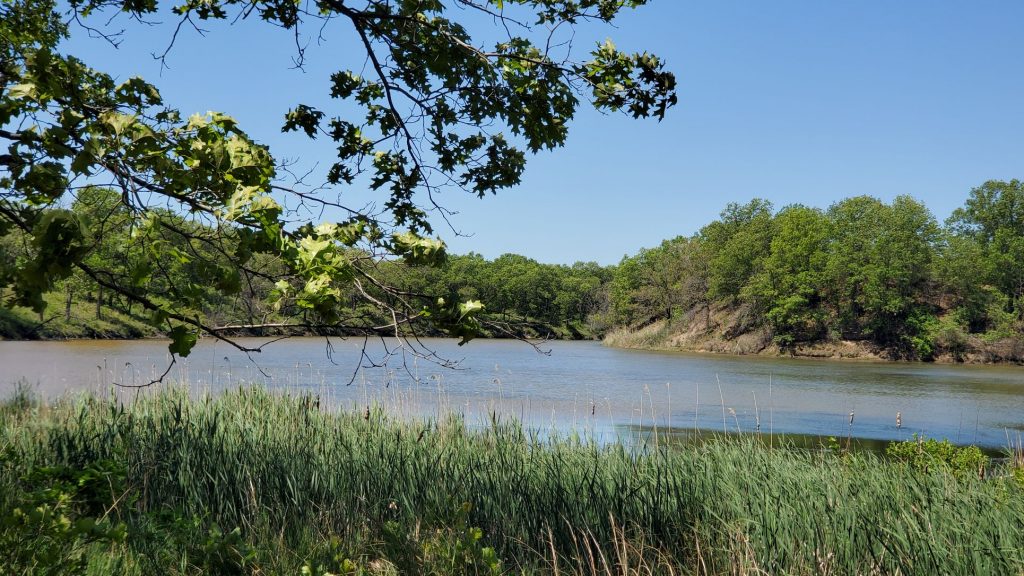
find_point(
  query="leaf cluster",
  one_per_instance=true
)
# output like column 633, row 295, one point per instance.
column 200, row 206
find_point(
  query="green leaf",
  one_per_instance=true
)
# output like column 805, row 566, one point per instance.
column 27, row 90
column 82, row 162
column 470, row 307
column 117, row 122
column 140, row 273
column 417, row 250
column 182, row 340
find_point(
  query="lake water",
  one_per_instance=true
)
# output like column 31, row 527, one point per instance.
column 580, row 385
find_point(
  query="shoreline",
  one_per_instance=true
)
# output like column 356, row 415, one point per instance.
column 662, row 336
column 812, row 353
column 844, row 351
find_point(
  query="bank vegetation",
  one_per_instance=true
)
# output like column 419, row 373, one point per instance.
column 248, row 482
column 861, row 278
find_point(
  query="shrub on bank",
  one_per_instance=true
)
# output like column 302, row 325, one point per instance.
column 928, row 453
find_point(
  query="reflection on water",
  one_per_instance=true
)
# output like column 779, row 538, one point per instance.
column 581, row 385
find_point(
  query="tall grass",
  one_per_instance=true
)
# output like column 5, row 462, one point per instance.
column 653, row 335
column 308, row 486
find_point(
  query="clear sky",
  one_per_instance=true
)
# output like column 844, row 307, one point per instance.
column 796, row 101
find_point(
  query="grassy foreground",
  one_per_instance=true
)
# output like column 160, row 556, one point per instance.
column 251, row 482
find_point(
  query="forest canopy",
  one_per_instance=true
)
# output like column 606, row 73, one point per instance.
column 862, row 270
column 105, row 184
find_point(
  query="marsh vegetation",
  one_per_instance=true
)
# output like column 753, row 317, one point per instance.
column 251, row 482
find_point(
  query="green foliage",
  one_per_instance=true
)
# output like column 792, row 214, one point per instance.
column 964, row 271
column 360, row 493
column 993, row 219
column 789, row 286
column 22, row 323
column 1017, row 473
column 950, row 334
column 863, row 270
column 457, row 318
column 920, row 332
column 991, row 207
column 59, row 240
column 521, row 295
column 195, row 199
column 879, row 265
column 57, row 514
column 455, row 550
column 225, row 553
column 925, row 454
column 658, row 282
column 460, row 550
column 739, row 241
column 182, row 340
column 199, row 234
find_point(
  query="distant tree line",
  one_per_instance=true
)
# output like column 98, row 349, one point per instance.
column 172, row 259
column 862, row 269
column 521, row 294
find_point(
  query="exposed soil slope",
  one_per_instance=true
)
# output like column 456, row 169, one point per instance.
column 729, row 330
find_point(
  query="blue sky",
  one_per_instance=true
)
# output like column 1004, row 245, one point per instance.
column 796, row 101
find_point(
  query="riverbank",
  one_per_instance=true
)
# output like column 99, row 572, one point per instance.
column 727, row 331
column 82, row 320
column 249, row 482
column 79, row 320
column 722, row 331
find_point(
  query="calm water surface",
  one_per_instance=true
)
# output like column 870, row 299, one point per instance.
column 580, row 384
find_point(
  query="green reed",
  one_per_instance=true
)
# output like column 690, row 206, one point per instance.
column 308, row 486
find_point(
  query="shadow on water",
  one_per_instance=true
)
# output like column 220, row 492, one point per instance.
column 650, row 436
